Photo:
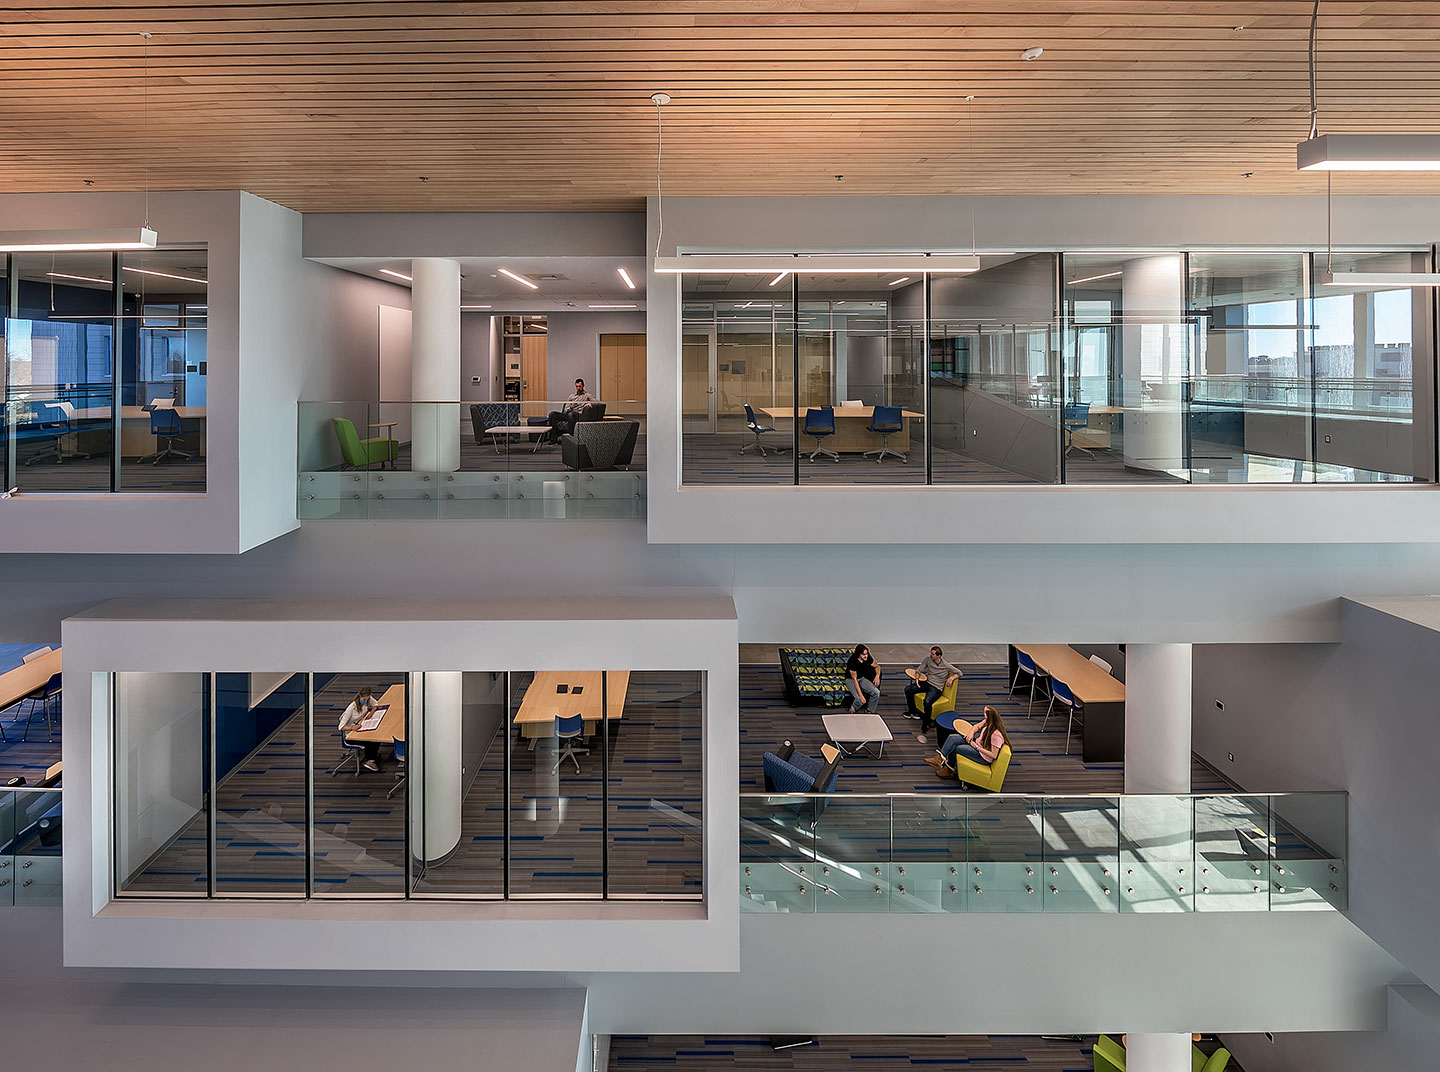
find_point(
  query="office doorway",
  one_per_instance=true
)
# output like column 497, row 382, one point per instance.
column 622, row 372
column 697, row 381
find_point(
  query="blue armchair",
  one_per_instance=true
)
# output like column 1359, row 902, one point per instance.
column 787, row 771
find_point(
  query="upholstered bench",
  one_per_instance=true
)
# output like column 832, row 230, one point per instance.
column 815, row 676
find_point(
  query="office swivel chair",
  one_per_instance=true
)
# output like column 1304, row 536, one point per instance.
column 400, row 759
column 758, row 429
column 820, row 423
column 46, row 695
column 569, row 728
column 53, row 423
column 165, row 426
column 1060, row 693
column 348, row 751
column 1076, row 417
column 886, row 421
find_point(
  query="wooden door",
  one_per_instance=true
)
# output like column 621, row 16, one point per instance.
column 622, row 373
column 533, row 376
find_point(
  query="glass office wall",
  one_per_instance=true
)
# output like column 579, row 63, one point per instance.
column 476, row 784
column 1160, row 367
column 94, row 344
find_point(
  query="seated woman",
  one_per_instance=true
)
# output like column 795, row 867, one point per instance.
column 980, row 743
column 361, row 708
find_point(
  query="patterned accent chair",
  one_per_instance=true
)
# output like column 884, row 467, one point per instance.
column 599, row 445
column 787, row 771
column 815, row 676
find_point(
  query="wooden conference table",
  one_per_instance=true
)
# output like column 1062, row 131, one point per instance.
column 852, row 428
column 26, row 678
column 392, row 726
column 1102, row 696
column 542, row 705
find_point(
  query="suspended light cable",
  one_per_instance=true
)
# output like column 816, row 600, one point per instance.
column 659, row 100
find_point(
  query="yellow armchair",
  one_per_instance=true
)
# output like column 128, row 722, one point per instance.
column 980, row 775
column 946, row 703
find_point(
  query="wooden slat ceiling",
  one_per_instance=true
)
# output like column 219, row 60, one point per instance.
column 333, row 105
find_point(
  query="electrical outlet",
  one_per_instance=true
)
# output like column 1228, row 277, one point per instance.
column 1219, row 705
column 1231, row 755
column 1327, row 439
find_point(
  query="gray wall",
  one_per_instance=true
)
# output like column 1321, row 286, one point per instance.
column 1358, row 716
column 574, row 347
column 1409, row 1043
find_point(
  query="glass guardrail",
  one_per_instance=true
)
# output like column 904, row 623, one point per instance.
column 470, row 460
column 855, row 852
column 31, row 831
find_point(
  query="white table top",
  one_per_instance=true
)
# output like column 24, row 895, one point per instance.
column 861, row 729
column 517, row 429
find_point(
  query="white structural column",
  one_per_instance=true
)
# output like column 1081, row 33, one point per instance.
column 1157, row 718
column 435, row 760
column 1154, row 1052
column 435, row 365
column 1152, row 361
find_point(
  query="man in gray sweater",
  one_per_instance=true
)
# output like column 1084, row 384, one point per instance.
column 932, row 676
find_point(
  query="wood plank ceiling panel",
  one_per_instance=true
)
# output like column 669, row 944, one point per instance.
column 332, row 105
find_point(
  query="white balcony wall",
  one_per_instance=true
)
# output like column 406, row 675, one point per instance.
column 974, row 514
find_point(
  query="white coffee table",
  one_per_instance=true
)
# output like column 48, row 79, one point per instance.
column 514, row 430
column 858, row 730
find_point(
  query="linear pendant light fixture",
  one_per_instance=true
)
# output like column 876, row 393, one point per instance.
column 1359, row 152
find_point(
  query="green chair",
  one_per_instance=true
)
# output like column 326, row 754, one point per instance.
column 358, row 452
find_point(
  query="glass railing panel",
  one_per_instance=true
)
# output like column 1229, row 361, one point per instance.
column 468, row 460
column 1231, row 853
column 929, row 844
column 38, row 845
column 1005, row 854
column 7, row 847
column 1157, row 850
column 777, row 841
column 852, row 854
column 1308, row 847
column 1082, row 854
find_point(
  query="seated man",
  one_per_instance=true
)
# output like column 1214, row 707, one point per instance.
column 931, row 678
column 562, row 421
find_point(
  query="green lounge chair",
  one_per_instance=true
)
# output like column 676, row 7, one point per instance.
column 357, row 452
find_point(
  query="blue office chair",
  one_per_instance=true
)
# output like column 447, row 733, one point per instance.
column 165, row 426
column 399, row 758
column 1076, row 418
column 886, row 421
column 46, row 696
column 758, row 430
column 1026, row 665
column 569, row 728
column 349, row 751
column 1060, row 693
column 820, row 423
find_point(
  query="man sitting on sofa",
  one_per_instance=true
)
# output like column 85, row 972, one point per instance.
column 562, row 421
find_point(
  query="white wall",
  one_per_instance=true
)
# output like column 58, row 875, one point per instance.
column 683, row 631
column 1409, row 1043
column 1356, row 716
column 159, row 773
column 974, row 514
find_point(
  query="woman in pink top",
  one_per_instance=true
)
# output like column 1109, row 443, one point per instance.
column 980, row 743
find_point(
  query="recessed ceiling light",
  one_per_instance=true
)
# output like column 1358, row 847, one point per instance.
column 397, row 275
column 777, row 279
column 1032, row 53
column 164, row 275
column 519, row 279
column 465, row 308
column 897, row 282
column 78, row 278
column 632, row 305
column 1093, row 278
column 626, row 276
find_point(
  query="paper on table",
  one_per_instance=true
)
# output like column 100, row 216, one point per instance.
column 373, row 720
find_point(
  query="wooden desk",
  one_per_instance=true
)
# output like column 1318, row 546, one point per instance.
column 19, row 683
column 392, row 726
column 1102, row 695
column 542, row 705
column 1097, row 434
column 852, row 433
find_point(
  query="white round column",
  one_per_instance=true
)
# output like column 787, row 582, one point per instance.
column 436, row 763
column 435, row 365
column 1157, row 718
column 1156, row 1052
column 1153, row 344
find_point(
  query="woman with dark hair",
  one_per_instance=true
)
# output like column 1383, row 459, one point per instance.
column 361, row 708
column 862, row 674
column 980, row 743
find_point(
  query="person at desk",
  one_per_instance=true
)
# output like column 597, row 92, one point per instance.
column 863, row 677
column 361, row 708
column 980, row 743
column 932, row 677
column 562, row 421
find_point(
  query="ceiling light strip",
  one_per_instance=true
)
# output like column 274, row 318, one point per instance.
column 68, row 241
column 1369, row 152
column 397, row 275
column 785, row 263
column 1380, row 279
column 162, row 275
column 626, row 277
column 518, row 278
